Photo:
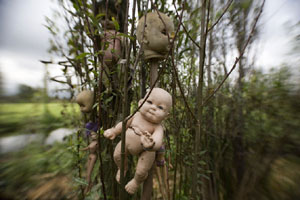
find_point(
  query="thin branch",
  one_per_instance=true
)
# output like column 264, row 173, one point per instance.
column 176, row 73
column 141, row 48
column 161, row 71
column 218, row 20
column 181, row 90
column 187, row 33
column 173, row 64
column 237, row 59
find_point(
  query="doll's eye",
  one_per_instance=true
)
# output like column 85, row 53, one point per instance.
column 160, row 107
column 164, row 32
column 150, row 102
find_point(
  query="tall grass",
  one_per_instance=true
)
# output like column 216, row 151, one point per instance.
column 23, row 118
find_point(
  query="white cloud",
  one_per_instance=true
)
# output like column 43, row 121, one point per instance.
column 20, row 69
column 274, row 36
column 24, row 40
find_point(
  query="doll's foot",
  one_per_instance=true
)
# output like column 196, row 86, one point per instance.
column 132, row 186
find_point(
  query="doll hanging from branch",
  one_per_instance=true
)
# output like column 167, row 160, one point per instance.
column 144, row 136
column 85, row 100
column 92, row 147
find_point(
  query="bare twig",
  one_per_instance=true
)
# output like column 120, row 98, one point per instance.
column 237, row 59
column 125, row 105
column 184, row 28
column 218, row 20
column 143, row 33
column 181, row 90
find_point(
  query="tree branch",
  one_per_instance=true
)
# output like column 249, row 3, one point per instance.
column 237, row 59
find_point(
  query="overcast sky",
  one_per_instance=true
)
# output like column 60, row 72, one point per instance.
column 24, row 39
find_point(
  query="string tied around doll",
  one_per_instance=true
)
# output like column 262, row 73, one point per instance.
column 137, row 133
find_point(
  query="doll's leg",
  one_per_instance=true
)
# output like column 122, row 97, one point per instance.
column 91, row 163
column 144, row 164
column 117, row 158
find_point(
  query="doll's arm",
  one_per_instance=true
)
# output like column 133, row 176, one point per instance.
column 84, row 149
column 153, row 142
column 115, row 131
column 158, row 138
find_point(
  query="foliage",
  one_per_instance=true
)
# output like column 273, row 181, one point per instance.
column 31, row 167
column 226, row 137
column 16, row 118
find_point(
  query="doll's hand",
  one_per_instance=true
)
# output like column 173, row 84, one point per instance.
column 147, row 140
column 109, row 133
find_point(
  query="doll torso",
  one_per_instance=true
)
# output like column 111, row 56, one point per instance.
column 138, row 125
column 93, row 146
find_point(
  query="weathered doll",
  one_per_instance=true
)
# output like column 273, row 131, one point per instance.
column 85, row 99
column 93, row 146
column 144, row 136
column 157, row 35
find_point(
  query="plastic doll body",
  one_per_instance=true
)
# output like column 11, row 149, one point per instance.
column 93, row 146
column 144, row 136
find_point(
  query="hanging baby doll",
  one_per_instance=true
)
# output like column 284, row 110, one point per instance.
column 85, row 100
column 155, row 34
column 92, row 147
column 144, row 136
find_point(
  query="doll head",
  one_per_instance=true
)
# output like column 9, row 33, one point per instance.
column 85, row 100
column 157, row 106
column 156, row 40
column 94, row 135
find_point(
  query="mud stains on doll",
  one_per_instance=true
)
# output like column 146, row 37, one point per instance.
column 144, row 136
column 85, row 99
column 157, row 35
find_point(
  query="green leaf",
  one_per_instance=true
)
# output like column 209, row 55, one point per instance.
column 100, row 15
column 82, row 55
column 81, row 181
column 117, row 26
column 108, row 100
column 128, row 36
column 95, row 105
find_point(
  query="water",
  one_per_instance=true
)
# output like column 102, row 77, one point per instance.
column 16, row 143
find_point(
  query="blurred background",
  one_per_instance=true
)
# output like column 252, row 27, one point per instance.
column 39, row 120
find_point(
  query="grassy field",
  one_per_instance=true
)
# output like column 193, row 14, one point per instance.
column 22, row 118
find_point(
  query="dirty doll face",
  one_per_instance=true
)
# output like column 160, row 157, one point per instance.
column 85, row 100
column 157, row 106
column 157, row 35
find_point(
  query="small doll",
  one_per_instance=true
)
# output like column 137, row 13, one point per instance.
column 92, row 147
column 85, row 100
column 144, row 136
